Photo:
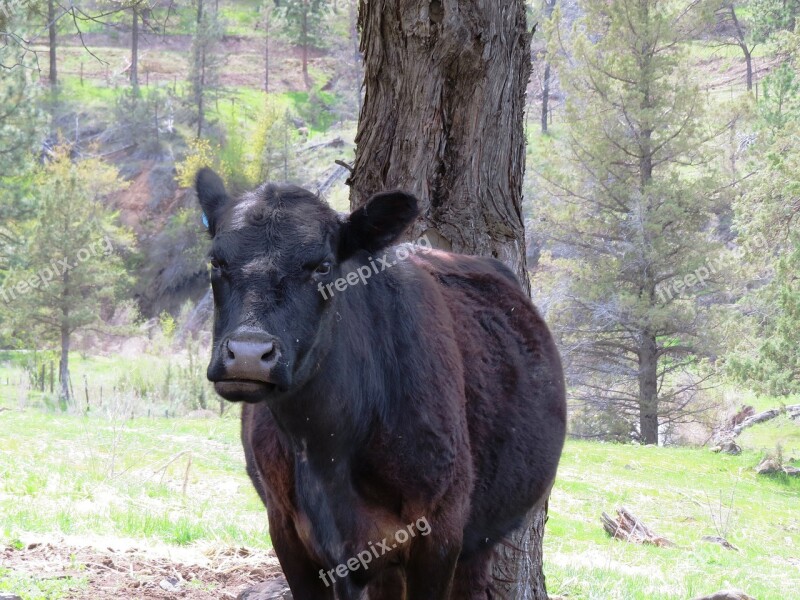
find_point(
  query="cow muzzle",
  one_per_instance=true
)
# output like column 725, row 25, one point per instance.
column 249, row 361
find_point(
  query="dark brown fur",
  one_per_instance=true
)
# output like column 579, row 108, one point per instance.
column 433, row 392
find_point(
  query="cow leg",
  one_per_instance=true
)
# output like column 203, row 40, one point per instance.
column 252, row 471
column 472, row 580
column 430, row 569
column 302, row 573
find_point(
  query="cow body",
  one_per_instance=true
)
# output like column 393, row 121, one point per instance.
column 428, row 400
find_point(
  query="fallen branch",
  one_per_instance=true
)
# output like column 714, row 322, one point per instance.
column 793, row 412
column 714, row 539
column 336, row 142
column 630, row 528
column 347, row 166
column 163, row 468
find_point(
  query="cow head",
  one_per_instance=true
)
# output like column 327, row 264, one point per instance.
column 271, row 250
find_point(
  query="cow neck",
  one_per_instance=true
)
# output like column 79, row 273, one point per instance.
column 347, row 390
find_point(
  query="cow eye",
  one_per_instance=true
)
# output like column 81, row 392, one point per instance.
column 217, row 264
column 324, row 268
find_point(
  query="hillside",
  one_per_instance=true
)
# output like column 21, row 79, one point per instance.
column 94, row 111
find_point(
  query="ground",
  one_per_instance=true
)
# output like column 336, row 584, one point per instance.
column 99, row 503
column 69, row 568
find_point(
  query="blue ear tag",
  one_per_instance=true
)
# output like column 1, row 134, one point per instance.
column 205, row 220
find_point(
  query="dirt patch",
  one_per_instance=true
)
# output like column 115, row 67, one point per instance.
column 133, row 572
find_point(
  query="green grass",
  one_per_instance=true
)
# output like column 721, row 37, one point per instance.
column 120, row 477
column 32, row 587
column 111, row 386
column 678, row 492
column 781, row 431
column 82, row 475
column 78, row 475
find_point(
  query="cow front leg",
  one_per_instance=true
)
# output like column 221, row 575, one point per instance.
column 430, row 569
column 303, row 575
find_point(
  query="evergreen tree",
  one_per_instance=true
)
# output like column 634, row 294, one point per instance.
column 626, row 206
column 767, row 358
column 772, row 16
column 305, row 25
column 71, row 269
column 206, row 61
column 21, row 125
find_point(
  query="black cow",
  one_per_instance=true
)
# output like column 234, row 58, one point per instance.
column 404, row 409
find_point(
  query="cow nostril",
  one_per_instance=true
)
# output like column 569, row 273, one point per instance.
column 231, row 355
column 269, row 351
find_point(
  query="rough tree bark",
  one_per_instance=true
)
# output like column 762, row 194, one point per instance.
column 648, row 388
column 443, row 118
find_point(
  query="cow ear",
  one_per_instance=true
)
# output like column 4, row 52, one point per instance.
column 212, row 196
column 378, row 224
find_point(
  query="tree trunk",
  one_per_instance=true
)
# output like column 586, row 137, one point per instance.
column 549, row 5
column 545, row 97
column 63, row 364
column 201, row 93
column 748, row 59
column 648, row 388
column 201, row 72
column 267, row 19
column 135, row 47
column 443, row 118
column 304, row 42
column 741, row 40
column 51, row 30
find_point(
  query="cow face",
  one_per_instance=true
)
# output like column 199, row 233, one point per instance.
column 271, row 250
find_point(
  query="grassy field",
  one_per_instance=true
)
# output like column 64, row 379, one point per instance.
column 683, row 494
column 181, row 483
column 174, row 481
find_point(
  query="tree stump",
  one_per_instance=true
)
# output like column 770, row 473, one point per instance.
column 630, row 528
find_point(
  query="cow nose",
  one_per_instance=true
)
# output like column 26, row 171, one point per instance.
column 250, row 359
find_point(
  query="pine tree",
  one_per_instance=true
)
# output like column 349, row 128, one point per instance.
column 21, row 124
column 767, row 359
column 71, row 267
column 206, row 61
column 625, row 204
column 305, row 21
